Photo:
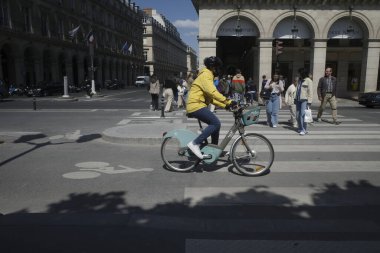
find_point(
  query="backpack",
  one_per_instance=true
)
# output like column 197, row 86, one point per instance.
column 222, row 87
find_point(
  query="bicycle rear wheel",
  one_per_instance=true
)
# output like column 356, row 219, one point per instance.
column 252, row 154
column 177, row 158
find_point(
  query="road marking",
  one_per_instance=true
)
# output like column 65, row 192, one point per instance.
column 89, row 170
column 311, row 166
column 124, row 122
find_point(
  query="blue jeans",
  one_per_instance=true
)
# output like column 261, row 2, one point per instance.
column 213, row 128
column 272, row 108
column 300, row 115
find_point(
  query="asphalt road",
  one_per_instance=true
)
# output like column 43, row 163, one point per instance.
column 64, row 189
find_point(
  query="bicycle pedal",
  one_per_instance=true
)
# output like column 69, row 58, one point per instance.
column 209, row 156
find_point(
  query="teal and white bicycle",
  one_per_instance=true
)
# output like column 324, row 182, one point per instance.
column 252, row 154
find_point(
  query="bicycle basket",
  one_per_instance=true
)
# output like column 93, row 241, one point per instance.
column 251, row 116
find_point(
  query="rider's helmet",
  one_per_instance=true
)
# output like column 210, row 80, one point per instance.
column 214, row 63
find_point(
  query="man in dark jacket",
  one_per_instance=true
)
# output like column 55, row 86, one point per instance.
column 327, row 93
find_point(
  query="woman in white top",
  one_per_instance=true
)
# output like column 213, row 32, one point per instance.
column 272, row 104
column 181, row 95
column 290, row 95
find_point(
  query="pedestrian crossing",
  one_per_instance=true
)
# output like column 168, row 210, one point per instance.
column 350, row 140
column 351, row 148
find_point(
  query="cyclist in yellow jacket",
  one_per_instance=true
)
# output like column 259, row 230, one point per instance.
column 202, row 93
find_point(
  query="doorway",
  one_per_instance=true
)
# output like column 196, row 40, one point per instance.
column 237, row 53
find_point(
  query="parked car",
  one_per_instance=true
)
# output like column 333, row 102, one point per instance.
column 142, row 81
column 370, row 99
column 46, row 89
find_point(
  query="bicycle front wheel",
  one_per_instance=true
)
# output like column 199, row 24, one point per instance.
column 177, row 158
column 252, row 154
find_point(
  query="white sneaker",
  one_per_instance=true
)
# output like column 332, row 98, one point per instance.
column 274, row 126
column 302, row 133
column 195, row 149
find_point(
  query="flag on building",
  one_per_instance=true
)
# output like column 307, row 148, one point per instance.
column 90, row 37
column 124, row 48
column 130, row 49
column 73, row 32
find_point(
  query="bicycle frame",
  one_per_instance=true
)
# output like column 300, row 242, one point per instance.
column 212, row 152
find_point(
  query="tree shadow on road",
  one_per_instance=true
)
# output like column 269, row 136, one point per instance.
column 106, row 222
column 38, row 141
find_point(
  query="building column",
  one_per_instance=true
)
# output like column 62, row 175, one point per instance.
column 372, row 67
column 207, row 47
column 55, row 67
column 99, row 71
column 80, row 69
column 38, row 69
column 69, row 69
column 319, row 63
column 265, row 59
column 19, row 69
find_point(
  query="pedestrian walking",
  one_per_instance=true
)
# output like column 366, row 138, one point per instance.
column 238, row 87
column 290, row 96
column 250, row 90
column 181, row 95
column 263, row 82
column 190, row 80
column 273, row 104
column 327, row 93
column 169, row 87
column 304, row 98
column 154, row 90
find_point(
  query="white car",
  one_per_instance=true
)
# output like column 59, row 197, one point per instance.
column 142, row 81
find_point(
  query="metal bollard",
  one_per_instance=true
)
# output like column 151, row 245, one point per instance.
column 34, row 103
column 162, row 106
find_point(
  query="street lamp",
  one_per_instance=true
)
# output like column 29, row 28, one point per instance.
column 238, row 29
column 294, row 29
column 350, row 29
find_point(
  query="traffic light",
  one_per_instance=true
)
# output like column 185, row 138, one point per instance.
column 279, row 47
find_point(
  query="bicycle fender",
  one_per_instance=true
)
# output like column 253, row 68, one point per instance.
column 183, row 135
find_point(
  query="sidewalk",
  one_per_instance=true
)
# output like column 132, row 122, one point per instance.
column 147, row 127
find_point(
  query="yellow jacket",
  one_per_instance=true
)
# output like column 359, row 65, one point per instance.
column 203, row 92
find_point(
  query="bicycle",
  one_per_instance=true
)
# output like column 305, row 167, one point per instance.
column 252, row 154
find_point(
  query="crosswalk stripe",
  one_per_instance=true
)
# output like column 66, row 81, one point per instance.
column 311, row 136
column 312, row 166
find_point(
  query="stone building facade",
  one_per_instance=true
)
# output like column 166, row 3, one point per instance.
column 192, row 64
column 314, row 34
column 36, row 47
column 165, row 52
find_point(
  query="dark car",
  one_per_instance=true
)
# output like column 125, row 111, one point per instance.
column 46, row 89
column 370, row 99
